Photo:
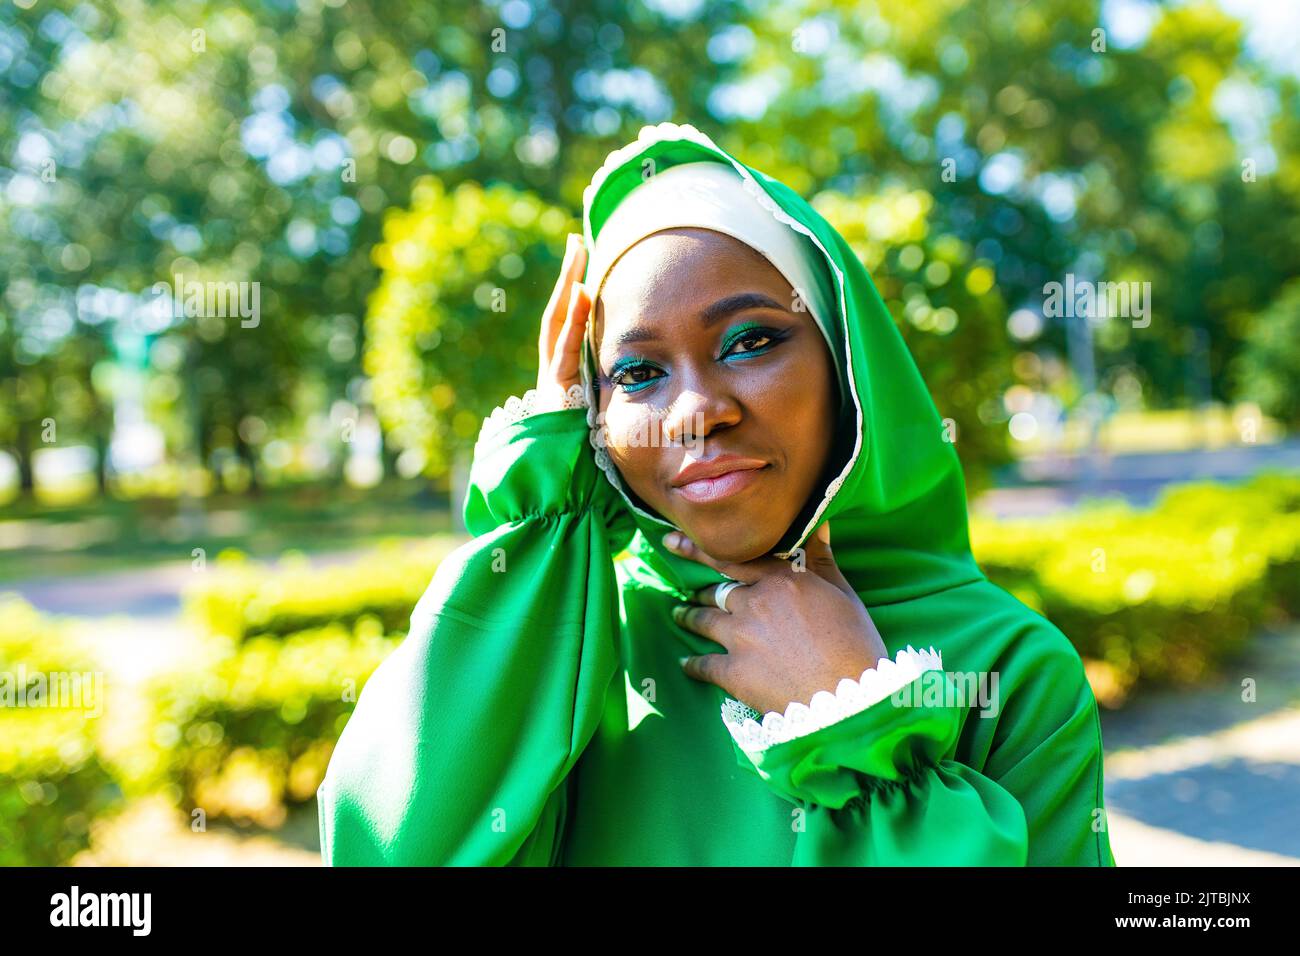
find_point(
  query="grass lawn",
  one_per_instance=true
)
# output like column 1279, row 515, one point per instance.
column 44, row 540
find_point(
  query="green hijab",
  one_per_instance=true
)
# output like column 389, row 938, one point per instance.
column 894, row 490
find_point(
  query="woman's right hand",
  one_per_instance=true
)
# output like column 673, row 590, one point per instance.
column 564, row 323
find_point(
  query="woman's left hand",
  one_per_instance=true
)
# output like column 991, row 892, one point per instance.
column 788, row 633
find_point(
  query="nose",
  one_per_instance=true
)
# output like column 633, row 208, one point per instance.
column 698, row 410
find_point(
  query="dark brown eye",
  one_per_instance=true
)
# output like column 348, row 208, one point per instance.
column 750, row 342
column 756, row 340
column 633, row 376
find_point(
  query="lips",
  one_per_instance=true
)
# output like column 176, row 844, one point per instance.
column 717, row 478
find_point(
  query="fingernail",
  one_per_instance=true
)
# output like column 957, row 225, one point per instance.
column 677, row 612
column 682, row 661
column 673, row 540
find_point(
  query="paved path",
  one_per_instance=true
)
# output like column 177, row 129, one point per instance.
column 1225, row 799
column 1045, row 484
column 1204, row 777
column 149, row 592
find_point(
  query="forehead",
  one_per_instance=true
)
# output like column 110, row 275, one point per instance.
column 670, row 269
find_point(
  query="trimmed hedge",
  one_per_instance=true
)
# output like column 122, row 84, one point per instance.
column 1167, row 594
column 52, row 780
column 253, row 735
column 242, row 599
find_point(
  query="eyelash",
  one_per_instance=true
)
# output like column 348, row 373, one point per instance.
column 743, row 333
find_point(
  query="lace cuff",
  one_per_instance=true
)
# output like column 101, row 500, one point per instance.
column 533, row 402
column 825, row 708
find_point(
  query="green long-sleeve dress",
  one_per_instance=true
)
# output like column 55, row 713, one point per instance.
column 537, row 713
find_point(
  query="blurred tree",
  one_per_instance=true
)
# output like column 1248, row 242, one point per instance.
column 1268, row 369
column 262, row 143
column 1040, row 144
column 452, row 327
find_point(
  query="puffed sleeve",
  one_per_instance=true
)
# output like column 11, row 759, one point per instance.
column 872, row 767
column 461, row 742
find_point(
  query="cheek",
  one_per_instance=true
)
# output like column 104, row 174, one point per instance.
column 795, row 403
column 634, row 439
column 794, row 391
column 624, row 423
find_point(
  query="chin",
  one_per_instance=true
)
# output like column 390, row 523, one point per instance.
column 736, row 541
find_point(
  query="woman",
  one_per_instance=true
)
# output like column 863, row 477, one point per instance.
column 652, row 571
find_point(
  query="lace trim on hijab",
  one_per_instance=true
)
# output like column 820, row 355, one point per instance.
column 533, row 402
column 598, row 436
column 754, row 733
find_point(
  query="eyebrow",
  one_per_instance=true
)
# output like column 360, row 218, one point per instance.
column 709, row 316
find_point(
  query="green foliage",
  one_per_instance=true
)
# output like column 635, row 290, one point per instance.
column 1163, row 595
column 1128, row 164
column 452, row 327
column 262, row 143
column 1268, row 369
column 946, row 304
column 265, row 142
column 247, row 732
column 52, row 785
column 240, row 599
column 252, row 735
column 52, row 780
